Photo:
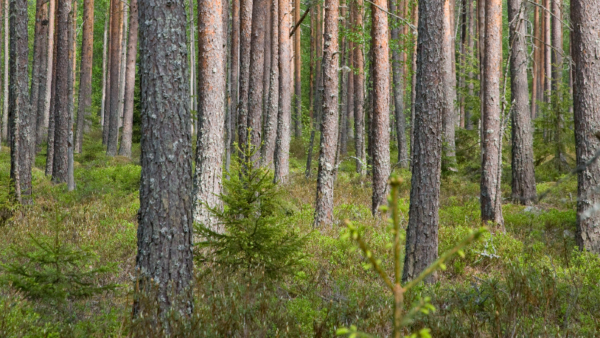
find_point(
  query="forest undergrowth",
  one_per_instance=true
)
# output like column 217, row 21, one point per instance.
column 531, row 281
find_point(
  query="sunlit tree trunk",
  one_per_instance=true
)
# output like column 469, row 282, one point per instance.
column 268, row 148
column 37, row 71
column 329, row 127
column 359, row 95
column 52, row 110
column 284, row 119
column 126, row 136
column 5, row 126
column 115, row 70
column 449, row 124
column 397, row 66
column 85, row 77
column 45, row 82
column 245, row 38
column 491, row 198
column 297, row 73
column 557, row 65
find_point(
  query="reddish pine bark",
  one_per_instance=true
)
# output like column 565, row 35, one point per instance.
column 282, row 148
column 125, row 148
column 85, row 77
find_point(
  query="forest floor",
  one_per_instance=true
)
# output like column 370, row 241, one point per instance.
column 530, row 281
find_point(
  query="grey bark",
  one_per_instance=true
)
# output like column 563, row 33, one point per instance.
column 268, row 148
column 37, row 71
column 51, row 113
column 104, row 75
column 5, row 126
column 523, row 176
column 359, row 96
column 115, row 71
column 43, row 101
column 212, row 40
column 585, row 16
column 284, row 120
column 245, row 46
column 423, row 222
column 164, row 259
column 125, row 147
column 449, row 123
column 63, row 89
column 398, row 93
column 18, row 101
column 329, row 127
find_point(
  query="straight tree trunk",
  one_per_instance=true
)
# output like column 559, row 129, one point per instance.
column 398, row 93
column 104, row 75
column 165, row 216
column 349, row 100
column 413, row 91
column 257, row 68
column 85, row 76
column 491, row 198
column 449, row 154
column 235, row 68
column 523, row 176
column 36, row 72
column 212, row 39
column 267, row 66
column 284, row 120
column 125, row 148
column 71, row 96
column 423, row 221
column 45, row 82
column 359, row 95
column 18, row 106
column 193, row 62
column 381, row 106
column 547, row 50
column 52, row 109
column 297, row 73
column 115, row 70
column 471, row 51
column 536, row 61
column 62, row 102
column 329, row 127
column 557, row 60
column 268, row 148
column 5, row 126
column 245, row 46
column 123, row 62
column 585, row 16
column 464, row 30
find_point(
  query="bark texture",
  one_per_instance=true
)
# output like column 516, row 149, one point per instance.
column 164, row 259
column 18, row 101
column 523, row 176
column 449, row 124
column 37, row 71
column 400, row 122
column 234, row 68
column 115, row 75
column 85, row 72
column 381, row 106
column 245, row 38
column 62, row 100
column 297, row 73
column 359, row 96
column 45, row 82
column 132, row 45
column 212, row 39
column 422, row 231
column 329, row 127
column 51, row 113
column 268, row 148
column 284, row 120
column 491, row 176
column 585, row 16
column 260, row 11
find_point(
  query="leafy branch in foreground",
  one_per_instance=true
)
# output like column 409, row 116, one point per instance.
column 402, row 318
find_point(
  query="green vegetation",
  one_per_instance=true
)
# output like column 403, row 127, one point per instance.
column 530, row 281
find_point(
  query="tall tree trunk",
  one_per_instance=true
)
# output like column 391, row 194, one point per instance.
column 52, row 109
column 5, row 126
column 413, row 92
column 557, row 60
column 267, row 66
column 37, row 72
column 284, row 120
column 491, row 198
column 245, row 46
column 536, row 58
column 523, row 178
column 359, row 95
column 349, row 100
column 297, row 73
column 464, row 29
column 422, row 231
column 381, row 105
column 257, row 63
column 234, row 68
column 165, row 216
column 71, row 95
column 85, row 77
column 123, row 61
column 329, row 127
column 547, row 50
column 398, row 92
column 449, row 124
column 115, row 70
column 45, row 75
column 193, row 63
column 585, row 16
column 471, row 52
column 104, row 75
column 18, row 105
column 125, row 149
column 212, row 39
column 61, row 93
column 268, row 148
